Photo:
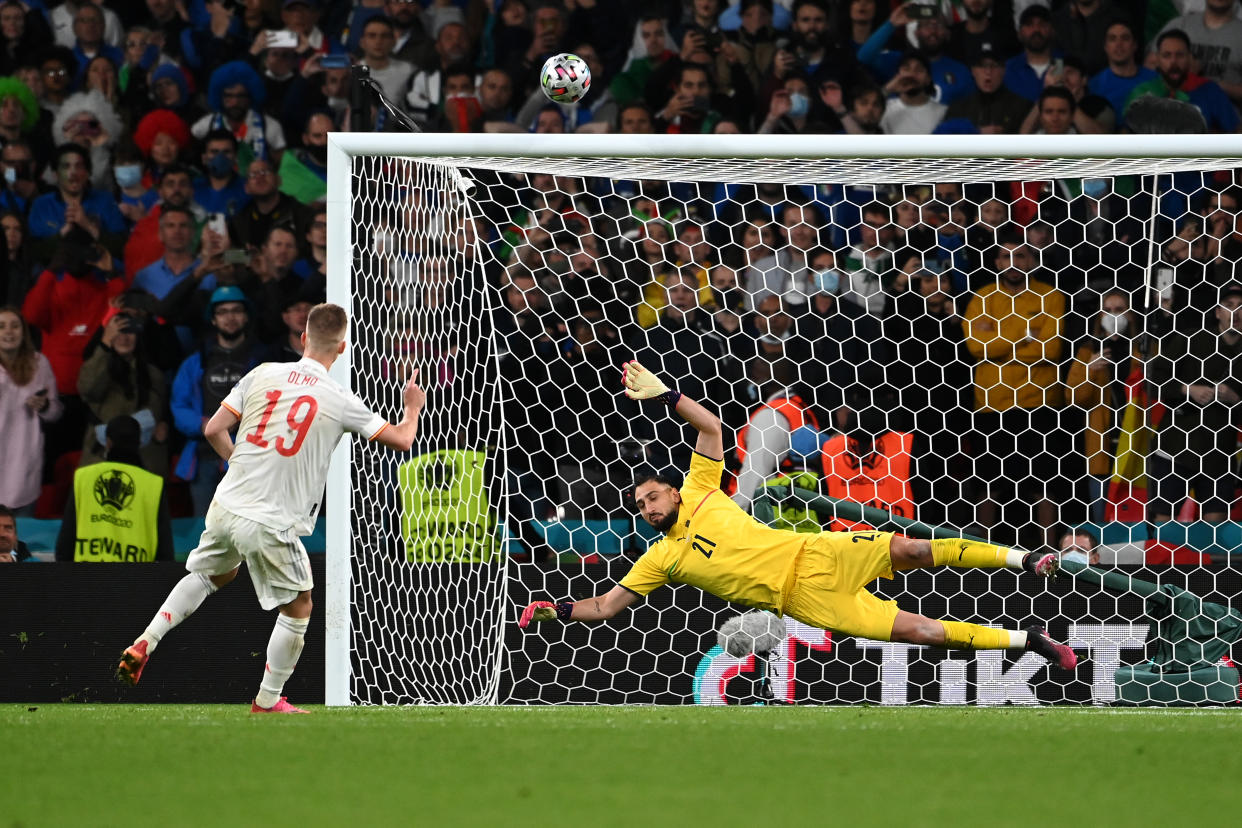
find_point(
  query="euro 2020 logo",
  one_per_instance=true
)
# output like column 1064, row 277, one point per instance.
column 114, row 489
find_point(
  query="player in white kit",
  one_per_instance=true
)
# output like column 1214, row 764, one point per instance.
column 291, row 415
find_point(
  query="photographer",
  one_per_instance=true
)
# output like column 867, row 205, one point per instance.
column 689, row 109
column 116, row 379
column 912, row 112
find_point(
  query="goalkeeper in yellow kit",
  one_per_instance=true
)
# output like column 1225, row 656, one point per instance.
column 819, row 579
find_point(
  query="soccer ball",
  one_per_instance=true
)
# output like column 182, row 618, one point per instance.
column 755, row 631
column 565, row 78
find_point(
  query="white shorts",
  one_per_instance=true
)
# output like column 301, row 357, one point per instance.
column 276, row 558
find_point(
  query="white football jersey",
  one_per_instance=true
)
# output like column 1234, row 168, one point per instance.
column 292, row 416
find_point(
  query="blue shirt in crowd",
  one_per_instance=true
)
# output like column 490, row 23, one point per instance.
column 47, row 214
column 227, row 201
column 1022, row 79
column 952, row 78
column 158, row 278
column 1116, row 89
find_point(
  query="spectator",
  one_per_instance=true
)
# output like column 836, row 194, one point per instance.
column 1175, row 80
column 496, row 95
column 1215, row 37
column 116, row 380
column 169, row 90
column 74, row 203
column 1024, row 73
column 1198, row 380
column 787, row 273
column 283, row 87
column 144, row 245
column 1098, row 381
column 1013, row 331
column 12, row 550
column 176, row 229
column 88, row 32
column 426, row 96
column 1089, row 108
column 17, row 269
column 1056, row 113
column 812, row 44
column 651, row 47
column 979, row 24
column 162, row 137
column 304, row 170
column 869, row 264
column 19, row 111
column 548, row 30
column 688, row 110
column 221, row 190
column 88, row 120
column 993, row 109
column 18, row 40
column 28, row 398
column 1080, row 546
column 949, row 79
column 266, row 208
column 1116, row 81
column 135, row 197
column 273, row 266
column 313, row 266
column 763, row 443
column 912, row 111
column 21, row 185
column 289, row 348
column 235, row 93
column 92, row 531
column 204, row 379
column 866, row 113
column 64, row 17
column 59, row 68
column 165, row 26
column 379, row 39
column 1080, row 27
column 791, row 112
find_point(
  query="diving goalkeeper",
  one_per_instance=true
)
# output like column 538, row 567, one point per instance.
column 819, row 579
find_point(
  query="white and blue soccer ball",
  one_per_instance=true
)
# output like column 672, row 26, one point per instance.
column 565, row 78
column 755, row 631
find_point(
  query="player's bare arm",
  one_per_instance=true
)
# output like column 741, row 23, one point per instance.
column 401, row 435
column 599, row 608
column 641, row 384
column 217, row 432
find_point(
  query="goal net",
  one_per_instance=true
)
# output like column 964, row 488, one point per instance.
column 1010, row 338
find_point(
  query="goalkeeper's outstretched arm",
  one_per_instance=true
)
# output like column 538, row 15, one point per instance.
column 641, row 384
column 599, row 608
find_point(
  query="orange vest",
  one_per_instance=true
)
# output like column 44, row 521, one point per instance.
column 792, row 409
column 881, row 479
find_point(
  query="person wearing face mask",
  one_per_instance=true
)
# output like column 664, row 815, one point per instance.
column 221, row 190
column 792, row 113
column 1098, row 381
column 304, row 169
column 21, row 178
column 136, row 195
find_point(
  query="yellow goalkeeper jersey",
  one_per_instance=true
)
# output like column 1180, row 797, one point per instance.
column 718, row 548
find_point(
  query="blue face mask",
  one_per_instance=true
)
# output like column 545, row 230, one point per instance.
column 799, row 104
column 128, row 175
column 220, row 166
column 828, row 281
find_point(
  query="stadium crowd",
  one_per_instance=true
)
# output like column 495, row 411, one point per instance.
column 164, row 168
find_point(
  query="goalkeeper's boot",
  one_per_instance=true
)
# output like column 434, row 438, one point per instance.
column 1037, row 641
column 133, row 660
column 281, row 706
column 1045, row 566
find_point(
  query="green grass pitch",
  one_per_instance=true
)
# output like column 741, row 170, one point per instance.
column 173, row 765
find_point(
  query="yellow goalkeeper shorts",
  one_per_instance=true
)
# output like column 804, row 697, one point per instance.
column 830, row 579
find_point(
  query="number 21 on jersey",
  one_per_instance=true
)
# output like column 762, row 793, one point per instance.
column 299, row 418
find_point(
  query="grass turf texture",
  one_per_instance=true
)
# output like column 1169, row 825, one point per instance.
column 134, row 765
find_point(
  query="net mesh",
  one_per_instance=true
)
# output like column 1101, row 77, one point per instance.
column 1017, row 346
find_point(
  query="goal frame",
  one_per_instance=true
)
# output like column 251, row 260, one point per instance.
column 343, row 147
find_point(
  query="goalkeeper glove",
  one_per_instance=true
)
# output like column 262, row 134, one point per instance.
column 641, row 384
column 545, row 611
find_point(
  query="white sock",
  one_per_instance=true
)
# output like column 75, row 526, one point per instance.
column 1017, row 639
column 283, row 649
column 186, row 596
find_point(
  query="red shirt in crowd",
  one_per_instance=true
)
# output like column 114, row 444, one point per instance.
column 68, row 310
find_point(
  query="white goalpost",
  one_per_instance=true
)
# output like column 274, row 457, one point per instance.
column 512, row 270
